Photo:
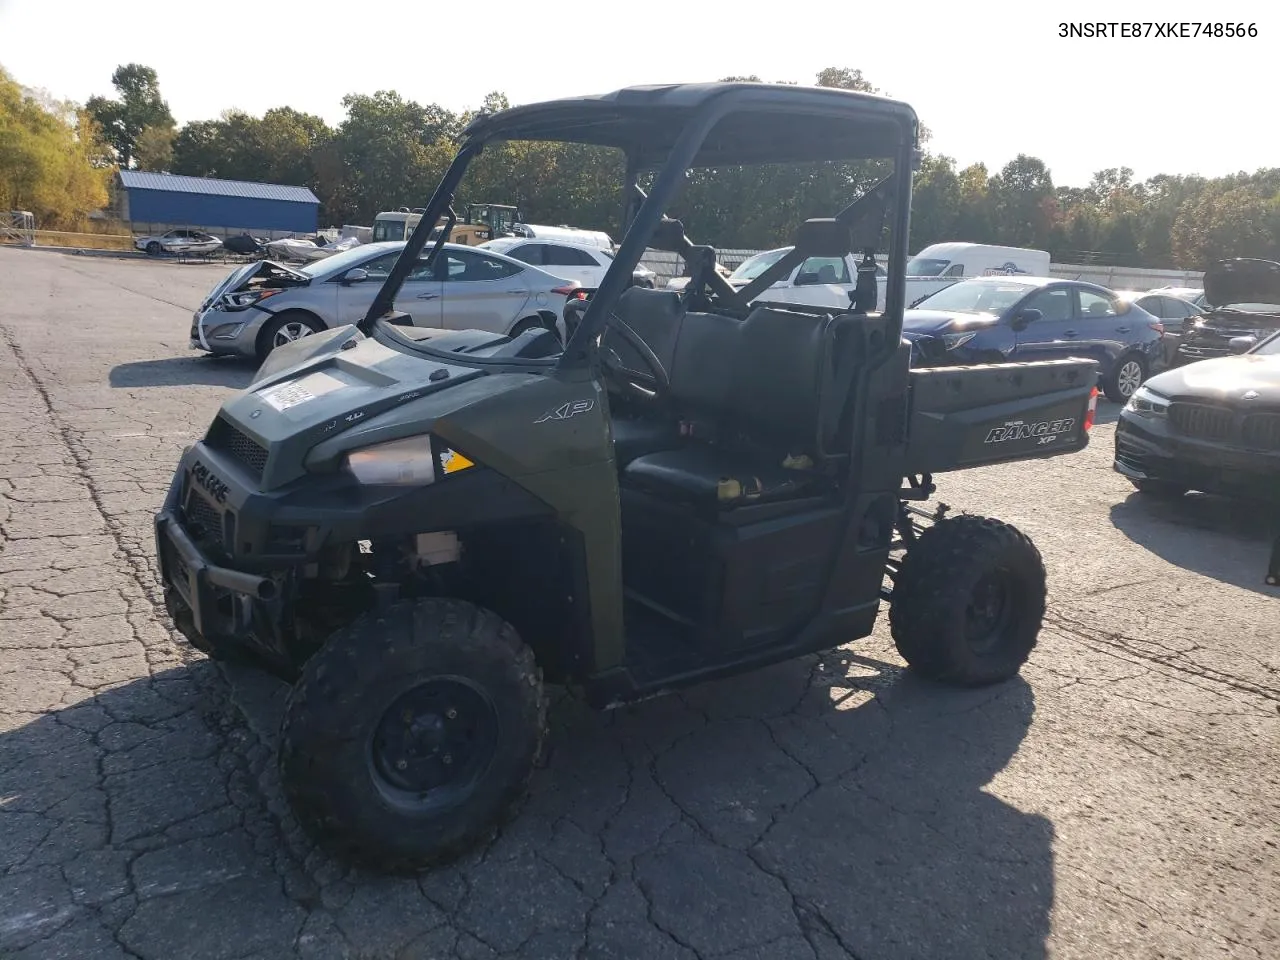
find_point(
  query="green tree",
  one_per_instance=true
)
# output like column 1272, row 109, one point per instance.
column 1022, row 195
column 154, row 149
column 139, row 106
column 1228, row 221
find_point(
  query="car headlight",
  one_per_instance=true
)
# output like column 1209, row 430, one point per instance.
column 245, row 298
column 410, row 462
column 953, row 340
column 1145, row 402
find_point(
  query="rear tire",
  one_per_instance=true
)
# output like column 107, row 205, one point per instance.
column 412, row 734
column 968, row 601
column 285, row 327
column 1125, row 376
column 1164, row 489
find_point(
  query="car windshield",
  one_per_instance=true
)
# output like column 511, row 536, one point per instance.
column 926, row 267
column 975, row 296
column 751, row 268
column 336, row 263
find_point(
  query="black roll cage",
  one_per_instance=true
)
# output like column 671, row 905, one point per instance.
column 640, row 223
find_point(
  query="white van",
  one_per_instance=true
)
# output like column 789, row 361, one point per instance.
column 941, row 264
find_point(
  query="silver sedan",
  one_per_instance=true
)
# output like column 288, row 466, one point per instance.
column 262, row 305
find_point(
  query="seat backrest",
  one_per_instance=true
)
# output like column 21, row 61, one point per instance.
column 778, row 376
column 656, row 316
column 764, row 375
column 702, row 371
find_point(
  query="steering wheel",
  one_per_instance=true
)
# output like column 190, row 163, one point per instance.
column 660, row 382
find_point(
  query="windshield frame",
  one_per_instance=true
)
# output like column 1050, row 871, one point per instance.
column 895, row 125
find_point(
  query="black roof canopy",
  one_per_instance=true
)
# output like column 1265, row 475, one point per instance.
column 770, row 123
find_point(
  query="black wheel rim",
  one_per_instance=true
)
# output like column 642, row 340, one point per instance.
column 990, row 611
column 434, row 744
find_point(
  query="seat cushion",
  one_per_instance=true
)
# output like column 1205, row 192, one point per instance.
column 714, row 478
column 635, row 437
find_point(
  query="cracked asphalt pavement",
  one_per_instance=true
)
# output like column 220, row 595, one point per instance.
column 1121, row 799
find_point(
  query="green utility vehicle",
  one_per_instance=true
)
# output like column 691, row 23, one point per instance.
column 420, row 528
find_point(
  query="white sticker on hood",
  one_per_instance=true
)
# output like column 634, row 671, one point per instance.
column 290, row 394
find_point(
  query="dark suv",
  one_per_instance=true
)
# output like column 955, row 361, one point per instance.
column 1011, row 319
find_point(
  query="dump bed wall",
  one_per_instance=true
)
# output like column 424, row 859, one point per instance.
column 964, row 417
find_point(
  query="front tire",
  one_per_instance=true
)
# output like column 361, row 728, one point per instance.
column 153, row 249
column 412, row 734
column 1126, row 375
column 968, row 601
column 285, row 328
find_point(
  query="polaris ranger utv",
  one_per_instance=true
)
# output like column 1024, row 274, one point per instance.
column 420, row 527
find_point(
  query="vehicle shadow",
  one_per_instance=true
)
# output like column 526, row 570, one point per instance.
column 184, row 372
column 821, row 807
column 1228, row 540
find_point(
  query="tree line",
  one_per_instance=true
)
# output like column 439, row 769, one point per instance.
column 390, row 151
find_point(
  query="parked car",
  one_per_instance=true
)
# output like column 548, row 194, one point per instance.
column 1243, row 298
column 819, row 281
column 1212, row 426
column 262, row 305
column 568, row 259
column 1014, row 318
column 179, row 241
column 1192, row 294
column 1172, row 311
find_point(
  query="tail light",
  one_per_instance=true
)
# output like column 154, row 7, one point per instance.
column 1093, row 409
column 1158, row 327
column 565, row 291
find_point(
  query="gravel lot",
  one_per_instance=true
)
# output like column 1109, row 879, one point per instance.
column 1121, row 800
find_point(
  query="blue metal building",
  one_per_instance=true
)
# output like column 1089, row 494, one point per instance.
column 152, row 201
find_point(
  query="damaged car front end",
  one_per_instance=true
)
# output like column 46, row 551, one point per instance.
column 232, row 315
column 1244, row 299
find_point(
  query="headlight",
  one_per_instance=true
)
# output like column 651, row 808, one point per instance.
column 953, row 340
column 413, row 461
column 1145, row 402
column 245, row 298
column 408, row 462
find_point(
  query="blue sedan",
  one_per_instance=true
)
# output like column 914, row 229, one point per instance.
column 1011, row 319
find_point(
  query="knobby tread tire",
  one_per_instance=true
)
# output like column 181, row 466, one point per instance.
column 933, row 588
column 332, row 710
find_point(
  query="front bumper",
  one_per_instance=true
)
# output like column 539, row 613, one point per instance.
column 1147, row 449
column 216, row 331
column 215, row 607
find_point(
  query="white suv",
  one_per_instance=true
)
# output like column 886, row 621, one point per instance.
column 569, row 261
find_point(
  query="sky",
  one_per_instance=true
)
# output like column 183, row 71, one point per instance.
column 989, row 80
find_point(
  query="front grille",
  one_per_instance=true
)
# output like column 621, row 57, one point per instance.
column 1202, row 421
column 1261, row 431
column 204, row 522
column 225, row 436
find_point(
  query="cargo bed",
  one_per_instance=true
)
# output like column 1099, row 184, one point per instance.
column 961, row 417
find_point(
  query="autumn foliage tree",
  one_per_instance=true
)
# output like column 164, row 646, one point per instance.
column 51, row 157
